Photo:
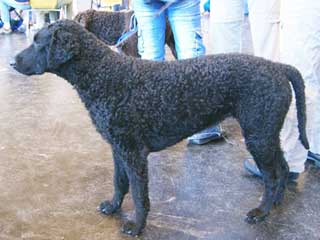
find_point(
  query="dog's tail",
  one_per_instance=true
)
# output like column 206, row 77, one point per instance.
column 297, row 82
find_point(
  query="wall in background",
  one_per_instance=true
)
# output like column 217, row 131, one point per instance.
column 80, row 5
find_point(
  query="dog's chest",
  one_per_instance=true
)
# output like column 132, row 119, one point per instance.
column 100, row 117
column 98, row 112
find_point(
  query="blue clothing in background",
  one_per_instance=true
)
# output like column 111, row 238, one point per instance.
column 5, row 6
column 185, row 20
column 246, row 9
column 206, row 6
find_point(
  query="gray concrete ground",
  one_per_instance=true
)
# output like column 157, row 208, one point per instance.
column 55, row 170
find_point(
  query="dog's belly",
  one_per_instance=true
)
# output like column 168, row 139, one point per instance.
column 158, row 143
column 169, row 134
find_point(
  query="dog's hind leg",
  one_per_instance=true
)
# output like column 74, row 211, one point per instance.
column 137, row 171
column 121, row 187
column 264, row 155
column 282, row 174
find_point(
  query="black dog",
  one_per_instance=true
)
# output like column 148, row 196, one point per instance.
column 109, row 26
column 144, row 106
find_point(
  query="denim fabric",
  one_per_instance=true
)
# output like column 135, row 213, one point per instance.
column 185, row 20
column 5, row 5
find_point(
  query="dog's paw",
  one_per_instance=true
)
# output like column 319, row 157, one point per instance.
column 131, row 228
column 107, row 208
column 256, row 215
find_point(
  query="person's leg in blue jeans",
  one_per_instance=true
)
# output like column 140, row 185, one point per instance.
column 5, row 6
column 185, row 20
column 151, row 29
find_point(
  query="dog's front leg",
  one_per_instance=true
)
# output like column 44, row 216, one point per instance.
column 137, row 171
column 121, row 187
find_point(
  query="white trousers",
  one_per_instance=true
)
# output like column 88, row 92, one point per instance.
column 300, row 47
column 226, row 21
column 296, row 43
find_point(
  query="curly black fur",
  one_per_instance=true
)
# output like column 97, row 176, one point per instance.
column 143, row 106
column 109, row 27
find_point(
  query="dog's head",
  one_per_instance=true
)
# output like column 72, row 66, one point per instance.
column 85, row 18
column 107, row 26
column 52, row 47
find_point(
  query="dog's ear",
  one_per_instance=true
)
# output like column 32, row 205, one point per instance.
column 63, row 47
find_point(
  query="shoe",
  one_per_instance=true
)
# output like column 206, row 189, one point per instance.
column 22, row 29
column 4, row 30
column 314, row 157
column 205, row 136
column 251, row 167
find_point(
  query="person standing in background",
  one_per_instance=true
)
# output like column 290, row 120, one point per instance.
column 294, row 40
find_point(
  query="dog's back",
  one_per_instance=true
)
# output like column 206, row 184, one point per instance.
column 195, row 93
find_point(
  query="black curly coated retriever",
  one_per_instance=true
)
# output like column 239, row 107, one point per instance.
column 142, row 106
column 109, row 27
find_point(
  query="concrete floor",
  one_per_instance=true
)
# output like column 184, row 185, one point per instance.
column 55, row 170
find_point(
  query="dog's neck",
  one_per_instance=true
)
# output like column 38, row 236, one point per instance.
column 102, row 68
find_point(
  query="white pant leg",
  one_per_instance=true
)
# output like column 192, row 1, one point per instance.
column 264, row 16
column 294, row 152
column 40, row 19
column 300, row 46
column 53, row 16
column 226, row 19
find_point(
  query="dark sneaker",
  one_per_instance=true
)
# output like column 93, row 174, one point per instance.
column 251, row 167
column 205, row 136
column 314, row 157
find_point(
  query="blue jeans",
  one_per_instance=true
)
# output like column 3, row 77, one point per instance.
column 185, row 20
column 5, row 6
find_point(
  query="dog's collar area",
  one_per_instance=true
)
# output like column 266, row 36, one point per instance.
column 116, row 49
column 133, row 29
